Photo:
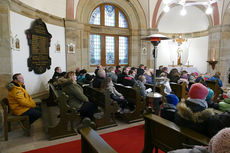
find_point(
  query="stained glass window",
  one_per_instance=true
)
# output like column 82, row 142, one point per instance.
column 96, row 16
column 123, row 50
column 122, row 21
column 109, row 15
column 107, row 48
column 95, row 49
column 110, row 49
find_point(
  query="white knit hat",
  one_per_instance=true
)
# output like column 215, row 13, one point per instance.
column 220, row 143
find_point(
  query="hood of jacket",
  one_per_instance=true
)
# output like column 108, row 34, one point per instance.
column 13, row 84
column 64, row 82
column 197, row 117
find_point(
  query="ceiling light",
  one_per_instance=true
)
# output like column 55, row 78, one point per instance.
column 183, row 12
column 166, row 8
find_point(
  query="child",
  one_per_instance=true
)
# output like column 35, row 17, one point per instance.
column 115, row 95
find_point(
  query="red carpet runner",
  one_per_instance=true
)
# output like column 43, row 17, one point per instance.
column 130, row 140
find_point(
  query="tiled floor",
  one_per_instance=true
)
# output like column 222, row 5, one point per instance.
column 18, row 143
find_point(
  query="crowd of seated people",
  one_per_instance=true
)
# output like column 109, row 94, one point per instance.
column 194, row 113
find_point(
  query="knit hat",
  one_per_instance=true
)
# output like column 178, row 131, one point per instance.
column 210, row 94
column 220, row 143
column 172, row 99
column 198, row 91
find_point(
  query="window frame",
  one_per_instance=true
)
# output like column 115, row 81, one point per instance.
column 104, row 34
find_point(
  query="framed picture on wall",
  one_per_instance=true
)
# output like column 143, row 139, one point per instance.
column 57, row 47
column 71, row 48
column 15, row 43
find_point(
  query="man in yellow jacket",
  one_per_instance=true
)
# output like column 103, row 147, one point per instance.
column 19, row 100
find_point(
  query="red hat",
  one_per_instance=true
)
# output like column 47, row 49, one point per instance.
column 198, row 91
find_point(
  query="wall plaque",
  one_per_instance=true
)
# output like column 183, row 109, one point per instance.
column 39, row 42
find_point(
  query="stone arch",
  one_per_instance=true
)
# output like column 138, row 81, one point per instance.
column 132, row 9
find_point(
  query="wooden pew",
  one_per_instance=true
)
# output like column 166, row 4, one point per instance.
column 166, row 135
column 109, row 108
column 91, row 142
column 68, row 117
column 179, row 90
column 215, row 87
column 133, row 96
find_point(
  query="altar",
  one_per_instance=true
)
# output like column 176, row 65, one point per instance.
column 189, row 68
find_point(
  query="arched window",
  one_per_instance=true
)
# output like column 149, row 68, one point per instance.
column 107, row 48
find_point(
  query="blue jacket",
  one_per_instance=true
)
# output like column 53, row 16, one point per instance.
column 213, row 78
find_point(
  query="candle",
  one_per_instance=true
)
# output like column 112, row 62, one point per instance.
column 188, row 63
column 213, row 54
column 172, row 62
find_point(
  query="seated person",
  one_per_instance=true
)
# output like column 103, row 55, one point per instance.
column 57, row 73
column 116, row 96
column 148, row 76
column 192, row 78
column 88, row 79
column 130, row 79
column 20, row 102
column 77, row 99
column 220, row 143
column 195, row 114
column 118, row 70
column 159, row 71
column 200, row 79
column 140, row 70
column 174, row 75
column 77, row 72
column 167, row 89
column 141, row 83
column 99, row 67
column 124, row 74
column 81, row 77
column 99, row 78
column 111, row 73
column 168, row 109
column 211, row 103
column 217, row 77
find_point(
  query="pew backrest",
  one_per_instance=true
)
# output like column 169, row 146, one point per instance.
column 168, row 136
column 179, row 90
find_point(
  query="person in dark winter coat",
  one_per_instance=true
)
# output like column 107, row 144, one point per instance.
column 130, row 79
column 77, row 99
column 169, row 109
column 99, row 78
column 57, row 74
column 140, row 70
column 124, row 74
column 195, row 114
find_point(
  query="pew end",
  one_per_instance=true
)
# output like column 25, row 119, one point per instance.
column 91, row 142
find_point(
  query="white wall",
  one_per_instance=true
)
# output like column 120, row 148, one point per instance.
column 35, row 83
column 54, row 7
column 173, row 22
column 197, row 53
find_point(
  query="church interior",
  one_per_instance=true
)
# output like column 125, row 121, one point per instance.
column 38, row 36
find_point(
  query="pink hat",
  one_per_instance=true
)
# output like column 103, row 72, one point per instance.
column 220, row 143
column 198, row 91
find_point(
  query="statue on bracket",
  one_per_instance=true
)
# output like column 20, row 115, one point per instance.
column 39, row 42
